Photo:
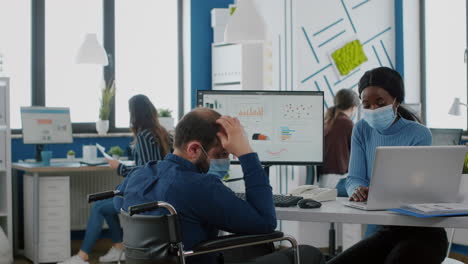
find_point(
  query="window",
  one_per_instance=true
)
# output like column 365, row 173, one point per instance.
column 145, row 55
column 40, row 49
column 446, row 71
column 68, row 84
column 15, row 46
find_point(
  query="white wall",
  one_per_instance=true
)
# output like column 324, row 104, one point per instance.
column 187, row 55
column 324, row 26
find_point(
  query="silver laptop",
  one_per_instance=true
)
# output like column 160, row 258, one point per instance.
column 403, row 175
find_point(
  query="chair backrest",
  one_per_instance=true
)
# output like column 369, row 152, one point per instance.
column 148, row 238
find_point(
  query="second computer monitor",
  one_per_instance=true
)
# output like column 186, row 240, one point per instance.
column 283, row 127
column 445, row 136
column 46, row 125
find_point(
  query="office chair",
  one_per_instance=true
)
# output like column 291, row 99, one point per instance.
column 158, row 239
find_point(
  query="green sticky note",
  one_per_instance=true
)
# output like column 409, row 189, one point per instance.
column 349, row 57
column 232, row 10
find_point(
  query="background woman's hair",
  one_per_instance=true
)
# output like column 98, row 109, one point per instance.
column 391, row 81
column 343, row 100
column 143, row 115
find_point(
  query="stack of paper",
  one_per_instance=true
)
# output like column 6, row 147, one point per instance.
column 433, row 209
column 103, row 151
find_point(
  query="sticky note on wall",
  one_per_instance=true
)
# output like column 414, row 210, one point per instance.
column 349, row 57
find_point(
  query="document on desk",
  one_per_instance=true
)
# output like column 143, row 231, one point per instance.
column 433, row 209
column 103, row 151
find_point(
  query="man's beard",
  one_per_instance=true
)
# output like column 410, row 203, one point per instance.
column 202, row 164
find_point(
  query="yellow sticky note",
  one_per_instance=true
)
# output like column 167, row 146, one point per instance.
column 349, row 57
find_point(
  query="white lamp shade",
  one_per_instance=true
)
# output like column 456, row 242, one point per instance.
column 245, row 25
column 455, row 108
column 91, row 52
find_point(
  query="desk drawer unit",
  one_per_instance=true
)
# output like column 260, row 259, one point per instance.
column 54, row 218
column 50, row 253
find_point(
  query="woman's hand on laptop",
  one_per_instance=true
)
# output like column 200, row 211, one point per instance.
column 360, row 194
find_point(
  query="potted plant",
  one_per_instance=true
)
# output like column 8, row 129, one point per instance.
column 116, row 152
column 107, row 94
column 165, row 118
column 71, row 155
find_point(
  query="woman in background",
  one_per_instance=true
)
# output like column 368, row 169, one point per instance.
column 338, row 129
column 387, row 123
column 151, row 142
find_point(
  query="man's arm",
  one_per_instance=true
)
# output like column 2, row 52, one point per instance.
column 221, row 208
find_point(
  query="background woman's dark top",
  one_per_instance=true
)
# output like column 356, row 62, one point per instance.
column 146, row 149
column 337, row 146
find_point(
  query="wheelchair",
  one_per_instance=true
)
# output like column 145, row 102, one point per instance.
column 158, row 238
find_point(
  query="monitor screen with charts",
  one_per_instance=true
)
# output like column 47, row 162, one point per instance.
column 46, row 125
column 283, row 127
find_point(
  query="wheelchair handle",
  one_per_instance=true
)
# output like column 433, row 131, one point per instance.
column 102, row 195
column 146, row 207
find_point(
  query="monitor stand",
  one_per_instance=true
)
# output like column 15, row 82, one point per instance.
column 39, row 149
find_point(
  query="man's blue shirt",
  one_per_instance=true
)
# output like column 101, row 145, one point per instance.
column 204, row 204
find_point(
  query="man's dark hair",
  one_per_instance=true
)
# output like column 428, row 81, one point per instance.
column 200, row 125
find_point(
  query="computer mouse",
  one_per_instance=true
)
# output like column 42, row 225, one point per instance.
column 308, row 203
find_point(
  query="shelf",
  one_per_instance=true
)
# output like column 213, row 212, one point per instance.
column 3, row 214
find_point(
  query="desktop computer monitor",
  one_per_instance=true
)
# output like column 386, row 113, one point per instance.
column 283, row 127
column 446, row 136
column 46, row 125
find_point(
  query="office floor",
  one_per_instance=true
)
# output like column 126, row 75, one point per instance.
column 101, row 248
column 462, row 258
column 104, row 244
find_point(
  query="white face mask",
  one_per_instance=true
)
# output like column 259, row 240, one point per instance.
column 380, row 118
column 218, row 167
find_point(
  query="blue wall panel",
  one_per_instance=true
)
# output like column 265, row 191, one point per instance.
column 201, row 39
column 22, row 151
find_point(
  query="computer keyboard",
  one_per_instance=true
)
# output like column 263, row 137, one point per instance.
column 279, row 200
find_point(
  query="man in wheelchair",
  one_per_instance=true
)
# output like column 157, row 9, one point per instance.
column 190, row 180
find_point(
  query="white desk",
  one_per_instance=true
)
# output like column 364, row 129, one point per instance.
column 336, row 212
column 56, row 167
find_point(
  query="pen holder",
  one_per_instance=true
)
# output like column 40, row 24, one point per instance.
column 89, row 153
column 46, row 156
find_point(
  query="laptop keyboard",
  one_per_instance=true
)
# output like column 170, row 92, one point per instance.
column 358, row 203
column 279, row 200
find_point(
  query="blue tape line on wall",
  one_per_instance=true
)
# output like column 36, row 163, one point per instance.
column 329, row 26
column 376, row 36
column 310, row 44
column 319, row 71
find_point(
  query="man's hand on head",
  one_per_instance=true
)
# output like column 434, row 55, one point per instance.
column 233, row 138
